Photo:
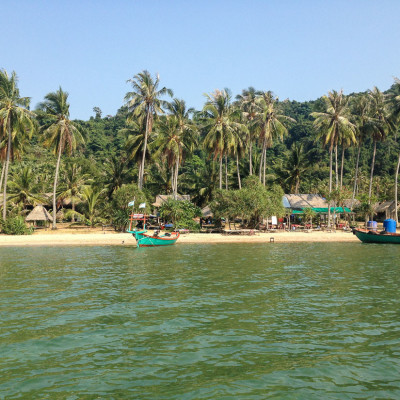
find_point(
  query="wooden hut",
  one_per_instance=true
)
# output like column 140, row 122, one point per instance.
column 385, row 210
column 39, row 213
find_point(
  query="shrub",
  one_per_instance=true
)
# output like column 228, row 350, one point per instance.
column 15, row 226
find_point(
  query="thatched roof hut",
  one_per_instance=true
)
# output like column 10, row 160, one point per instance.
column 299, row 201
column 206, row 212
column 162, row 198
column 386, row 209
column 39, row 213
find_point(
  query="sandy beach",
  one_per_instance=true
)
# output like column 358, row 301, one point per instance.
column 88, row 237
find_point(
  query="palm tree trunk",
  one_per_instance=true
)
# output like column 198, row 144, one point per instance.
column 6, row 170
column 251, row 156
column 296, row 189
column 336, row 167
column 341, row 168
column 395, row 189
column 355, row 177
column 238, row 172
column 265, row 164
column 262, row 159
column 372, row 172
column 139, row 173
column 226, row 172
column 2, row 175
column 55, row 187
column 176, row 176
column 220, row 172
column 144, row 149
column 73, row 210
column 330, row 170
column 173, row 180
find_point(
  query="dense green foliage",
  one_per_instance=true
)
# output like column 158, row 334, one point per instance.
column 255, row 147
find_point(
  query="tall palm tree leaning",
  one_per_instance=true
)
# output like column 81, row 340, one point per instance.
column 270, row 126
column 60, row 133
column 145, row 99
column 15, row 121
column 332, row 125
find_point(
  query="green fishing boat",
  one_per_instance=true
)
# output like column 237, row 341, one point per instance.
column 144, row 239
column 377, row 237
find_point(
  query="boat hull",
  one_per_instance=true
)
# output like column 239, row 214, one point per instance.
column 374, row 237
column 145, row 240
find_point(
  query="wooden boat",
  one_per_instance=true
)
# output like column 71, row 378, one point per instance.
column 376, row 237
column 143, row 239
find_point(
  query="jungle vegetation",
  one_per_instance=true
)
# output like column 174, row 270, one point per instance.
column 239, row 153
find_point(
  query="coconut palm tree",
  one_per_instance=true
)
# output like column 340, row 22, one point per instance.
column 145, row 99
column 176, row 137
column 135, row 132
column 71, row 185
column 186, row 135
column 395, row 112
column 293, row 167
column 380, row 124
column 220, row 123
column 16, row 121
column 91, row 196
column 360, row 106
column 59, row 133
column 332, row 125
column 248, row 104
column 270, row 126
column 24, row 188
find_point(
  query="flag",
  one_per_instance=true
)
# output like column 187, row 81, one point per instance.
column 142, row 205
column 131, row 204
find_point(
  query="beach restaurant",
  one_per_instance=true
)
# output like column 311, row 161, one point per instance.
column 295, row 204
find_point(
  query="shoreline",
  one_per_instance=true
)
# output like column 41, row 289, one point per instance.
column 109, row 238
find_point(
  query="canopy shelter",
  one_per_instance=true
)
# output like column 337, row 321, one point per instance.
column 39, row 213
column 324, row 210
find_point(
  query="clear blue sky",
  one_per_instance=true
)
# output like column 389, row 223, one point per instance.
column 299, row 49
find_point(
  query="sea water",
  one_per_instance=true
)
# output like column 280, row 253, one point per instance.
column 226, row 321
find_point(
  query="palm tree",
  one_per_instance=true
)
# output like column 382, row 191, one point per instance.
column 248, row 105
column 221, row 125
column 16, row 121
column 115, row 174
column 24, row 188
column 294, row 165
column 270, row 126
column 184, row 136
column 91, row 197
column 332, row 125
column 395, row 113
column 360, row 106
column 380, row 124
column 72, row 184
column 60, row 133
column 145, row 99
column 135, row 132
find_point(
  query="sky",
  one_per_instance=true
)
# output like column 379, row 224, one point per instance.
column 299, row 49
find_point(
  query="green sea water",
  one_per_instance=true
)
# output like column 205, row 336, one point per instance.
column 284, row 321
